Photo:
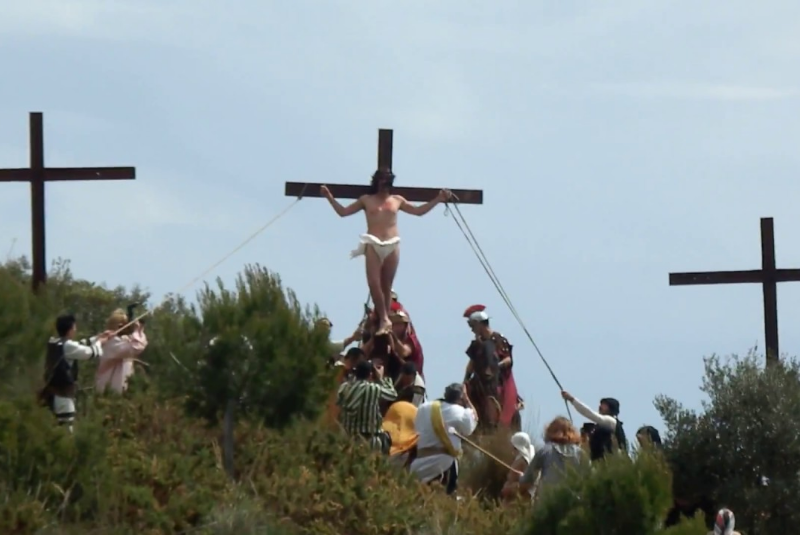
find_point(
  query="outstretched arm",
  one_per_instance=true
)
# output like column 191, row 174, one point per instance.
column 343, row 211
column 603, row 420
column 423, row 209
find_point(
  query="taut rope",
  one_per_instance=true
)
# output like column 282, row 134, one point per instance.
column 220, row 261
column 476, row 248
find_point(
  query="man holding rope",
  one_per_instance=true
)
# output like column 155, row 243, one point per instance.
column 441, row 425
column 381, row 244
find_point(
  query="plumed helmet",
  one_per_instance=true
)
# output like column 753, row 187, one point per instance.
column 476, row 313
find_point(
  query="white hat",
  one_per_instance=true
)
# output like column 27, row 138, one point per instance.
column 476, row 313
column 479, row 316
column 522, row 443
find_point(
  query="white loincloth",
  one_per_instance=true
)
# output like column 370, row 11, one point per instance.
column 383, row 248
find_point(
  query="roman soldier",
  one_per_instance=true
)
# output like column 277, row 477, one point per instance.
column 491, row 369
column 403, row 339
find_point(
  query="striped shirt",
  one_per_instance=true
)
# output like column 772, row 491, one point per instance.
column 360, row 403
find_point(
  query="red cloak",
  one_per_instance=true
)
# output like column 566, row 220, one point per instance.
column 508, row 395
column 416, row 356
column 508, row 387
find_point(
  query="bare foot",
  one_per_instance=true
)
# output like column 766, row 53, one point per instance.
column 384, row 327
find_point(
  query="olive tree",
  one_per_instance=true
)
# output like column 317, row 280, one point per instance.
column 742, row 450
column 258, row 354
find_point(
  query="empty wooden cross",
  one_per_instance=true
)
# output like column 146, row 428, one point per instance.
column 351, row 191
column 37, row 174
column 768, row 276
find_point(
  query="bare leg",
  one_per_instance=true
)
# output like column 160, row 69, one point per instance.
column 388, row 271
column 374, row 282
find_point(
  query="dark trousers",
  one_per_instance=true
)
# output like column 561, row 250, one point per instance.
column 449, row 478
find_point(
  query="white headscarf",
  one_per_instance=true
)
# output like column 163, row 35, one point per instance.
column 522, row 442
column 724, row 523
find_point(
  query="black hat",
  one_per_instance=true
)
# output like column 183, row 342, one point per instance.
column 453, row 393
column 613, row 406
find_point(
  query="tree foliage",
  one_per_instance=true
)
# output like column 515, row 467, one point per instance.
column 148, row 462
column 267, row 354
column 748, row 429
column 617, row 496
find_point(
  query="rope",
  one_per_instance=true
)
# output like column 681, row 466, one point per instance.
column 478, row 250
column 216, row 264
column 482, row 450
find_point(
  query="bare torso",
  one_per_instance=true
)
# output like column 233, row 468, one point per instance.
column 381, row 211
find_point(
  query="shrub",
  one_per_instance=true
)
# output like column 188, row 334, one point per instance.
column 617, row 496
column 328, row 484
column 143, row 464
column 44, row 472
column 748, row 428
column 131, row 463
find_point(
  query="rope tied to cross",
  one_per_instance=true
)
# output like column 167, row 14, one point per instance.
column 465, row 229
column 216, row 264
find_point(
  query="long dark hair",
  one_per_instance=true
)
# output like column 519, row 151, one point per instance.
column 652, row 434
column 377, row 176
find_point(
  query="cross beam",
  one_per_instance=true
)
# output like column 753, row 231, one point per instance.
column 351, row 191
column 37, row 174
column 768, row 276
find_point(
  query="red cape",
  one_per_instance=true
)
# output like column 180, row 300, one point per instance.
column 416, row 354
column 508, row 395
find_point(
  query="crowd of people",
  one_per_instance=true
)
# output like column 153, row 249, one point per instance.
column 382, row 399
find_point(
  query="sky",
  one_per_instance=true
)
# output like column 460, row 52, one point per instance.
column 615, row 142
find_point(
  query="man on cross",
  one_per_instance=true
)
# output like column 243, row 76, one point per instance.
column 381, row 244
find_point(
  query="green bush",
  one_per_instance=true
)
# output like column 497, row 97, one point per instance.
column 617, row 496
column 264, row 340
column 747, row 429
column 150, row 463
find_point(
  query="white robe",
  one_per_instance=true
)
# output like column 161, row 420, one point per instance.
column 461, row 419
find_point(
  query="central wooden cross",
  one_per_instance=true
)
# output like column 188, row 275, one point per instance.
column 768, row 276
column 352, row 191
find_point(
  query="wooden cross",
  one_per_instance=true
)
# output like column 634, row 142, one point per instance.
column 37, row 174
column 768, row 276
column 350, row 191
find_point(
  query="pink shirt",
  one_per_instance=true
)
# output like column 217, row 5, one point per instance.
column 116, row 364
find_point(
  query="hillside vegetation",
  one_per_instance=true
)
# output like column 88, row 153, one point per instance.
column 155, row 460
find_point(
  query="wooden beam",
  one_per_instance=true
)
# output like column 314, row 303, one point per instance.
column 350, row 191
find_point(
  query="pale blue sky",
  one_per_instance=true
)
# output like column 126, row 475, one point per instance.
column 614, row 142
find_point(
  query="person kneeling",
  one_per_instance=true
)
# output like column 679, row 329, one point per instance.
column 399, row 424
column 438, row 448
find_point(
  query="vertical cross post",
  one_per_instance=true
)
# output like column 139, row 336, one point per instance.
column 770, row 289
column 37, row 179
column 385, row 139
